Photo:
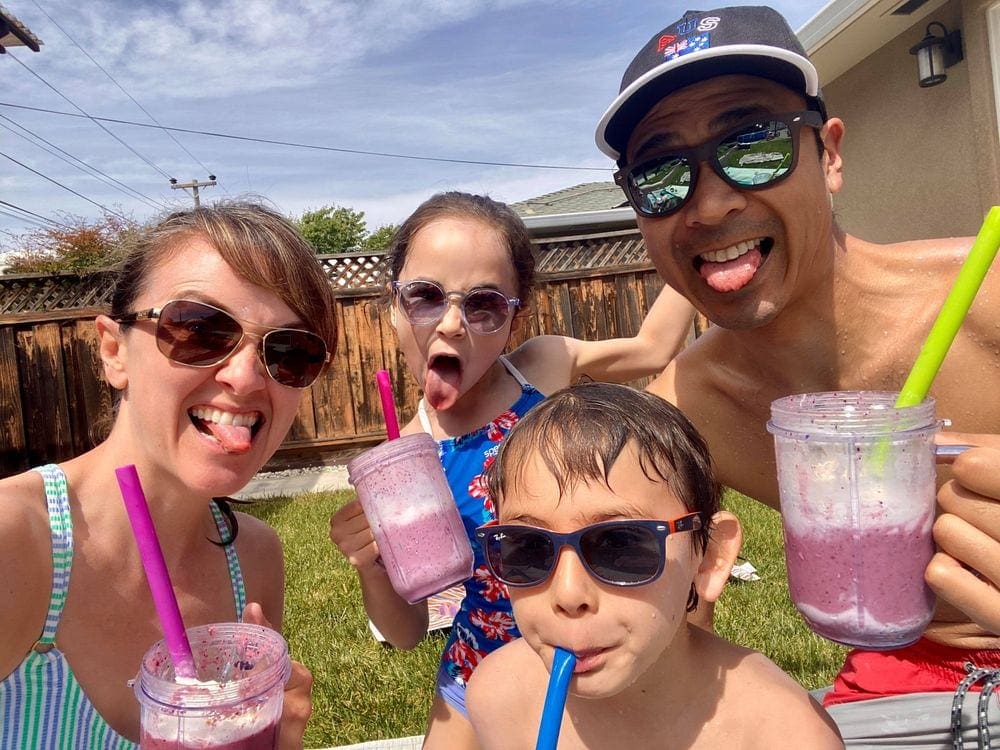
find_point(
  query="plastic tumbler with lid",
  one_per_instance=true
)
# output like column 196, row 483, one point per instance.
column 856, row 477
column 234, row 704
column 413, row 516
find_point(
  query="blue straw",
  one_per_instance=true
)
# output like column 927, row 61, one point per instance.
column 555, row 699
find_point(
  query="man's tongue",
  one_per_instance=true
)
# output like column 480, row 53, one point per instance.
column 233, row 438
column 733, row 274
column 441, row 383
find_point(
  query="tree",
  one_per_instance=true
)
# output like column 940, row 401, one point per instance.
column 333, row 229
column 77, row 245
column 378, row 241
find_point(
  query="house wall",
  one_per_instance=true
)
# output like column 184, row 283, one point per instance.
column 919, row 162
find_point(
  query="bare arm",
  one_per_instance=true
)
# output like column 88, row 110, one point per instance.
column 263, row 562
column 782, row 713
column 404, row 625
column 26, row 562
column 504, row 697
column 552, row 362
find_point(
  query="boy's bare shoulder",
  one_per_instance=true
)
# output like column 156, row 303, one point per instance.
column 781, row 712
column 505, row 695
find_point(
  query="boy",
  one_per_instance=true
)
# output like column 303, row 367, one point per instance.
column 594, row 463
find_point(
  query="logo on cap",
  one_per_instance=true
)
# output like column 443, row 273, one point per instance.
column 664, row 41
column 687, row 46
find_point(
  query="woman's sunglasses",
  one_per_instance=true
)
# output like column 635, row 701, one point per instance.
column 424, row 303
column 199, row 335
column 755, row 155
column 619, row 553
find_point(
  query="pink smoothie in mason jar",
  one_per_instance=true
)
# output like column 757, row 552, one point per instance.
column 235, row 704
column 856, row 478
column 413, row 517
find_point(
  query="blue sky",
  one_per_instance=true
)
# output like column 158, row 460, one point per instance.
column 515, row 81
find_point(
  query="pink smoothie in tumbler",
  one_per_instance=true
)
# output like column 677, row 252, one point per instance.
column 412, row 513
column 856, row 477
column 886, row 593
column 265, row 739
column 235, row 704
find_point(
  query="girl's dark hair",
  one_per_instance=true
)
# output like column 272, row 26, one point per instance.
column 499, row 216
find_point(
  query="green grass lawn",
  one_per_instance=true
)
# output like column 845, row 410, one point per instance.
column 364, row 690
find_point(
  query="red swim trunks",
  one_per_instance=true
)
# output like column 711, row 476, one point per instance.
column 924, row 667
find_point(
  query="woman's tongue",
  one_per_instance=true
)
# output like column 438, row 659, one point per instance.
column 233, row 438
column 732, row 274
column 442, row 381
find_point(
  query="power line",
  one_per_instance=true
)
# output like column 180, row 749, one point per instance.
column 25, row 219
column 94, row 120
column 313, row 146
column 30, row 213
column 122, row 88
column 109, row 179
column 56, row 182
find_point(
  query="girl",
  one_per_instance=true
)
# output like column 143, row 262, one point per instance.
column 462, row 267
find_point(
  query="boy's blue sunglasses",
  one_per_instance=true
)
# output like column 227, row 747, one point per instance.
column 619, row 553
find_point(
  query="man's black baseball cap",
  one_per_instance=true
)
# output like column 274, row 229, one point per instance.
column 752, row 40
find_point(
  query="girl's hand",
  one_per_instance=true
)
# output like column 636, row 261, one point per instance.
column 351, row 534
column 297, row 706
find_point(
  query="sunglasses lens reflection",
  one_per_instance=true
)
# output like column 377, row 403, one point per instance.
column 621, row 554
column 294, row 358
column 422, row 302
column 196, row 334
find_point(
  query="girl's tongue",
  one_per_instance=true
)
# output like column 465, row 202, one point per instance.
column 442, row 381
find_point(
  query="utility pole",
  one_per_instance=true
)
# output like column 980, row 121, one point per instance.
column 194, row 185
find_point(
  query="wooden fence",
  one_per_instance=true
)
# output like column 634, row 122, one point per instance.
column 53, row 400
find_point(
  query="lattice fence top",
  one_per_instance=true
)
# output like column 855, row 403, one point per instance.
column 30, row 293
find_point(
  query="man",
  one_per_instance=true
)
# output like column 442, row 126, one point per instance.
column 728, row 157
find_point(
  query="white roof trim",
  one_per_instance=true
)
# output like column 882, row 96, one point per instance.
column 845, row 32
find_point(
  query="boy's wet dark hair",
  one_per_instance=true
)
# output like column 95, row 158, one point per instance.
column 580, row 431
column 513, row 234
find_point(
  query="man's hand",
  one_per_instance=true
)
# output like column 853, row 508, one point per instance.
column 297, row 706
column 966, row 570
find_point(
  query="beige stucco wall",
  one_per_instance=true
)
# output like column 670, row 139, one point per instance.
column 919, row 162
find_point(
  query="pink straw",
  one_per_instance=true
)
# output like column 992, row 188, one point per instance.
column 388, row 405
column 156, row 572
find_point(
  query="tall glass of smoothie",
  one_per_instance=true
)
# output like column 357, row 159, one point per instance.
column 234, row 704
column 857, row 484
column 413, row 516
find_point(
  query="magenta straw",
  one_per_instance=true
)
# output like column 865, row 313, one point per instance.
column 156, row 572
column 388, row 405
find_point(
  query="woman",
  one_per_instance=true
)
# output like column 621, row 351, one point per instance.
column 220, row 318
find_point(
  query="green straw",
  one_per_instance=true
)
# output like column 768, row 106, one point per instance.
column 953, row 312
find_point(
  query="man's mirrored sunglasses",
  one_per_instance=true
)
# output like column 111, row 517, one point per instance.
column 754, row 155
